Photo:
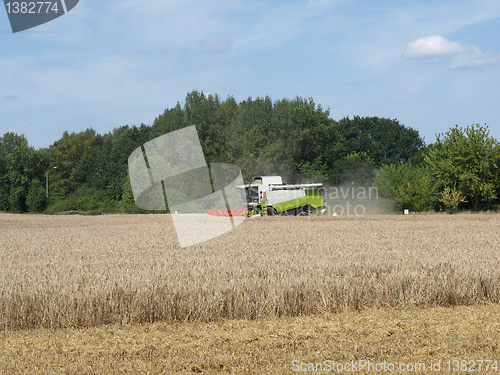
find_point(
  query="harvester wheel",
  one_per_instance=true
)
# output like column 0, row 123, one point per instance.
column 271, row 211
column 303, row 211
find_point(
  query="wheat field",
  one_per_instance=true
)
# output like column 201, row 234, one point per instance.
column 89, row 271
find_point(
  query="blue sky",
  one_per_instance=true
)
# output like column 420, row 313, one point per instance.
column 430, row 64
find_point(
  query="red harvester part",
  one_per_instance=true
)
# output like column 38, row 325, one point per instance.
column 230, row 212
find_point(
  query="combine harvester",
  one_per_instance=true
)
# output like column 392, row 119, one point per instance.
column 267, row 196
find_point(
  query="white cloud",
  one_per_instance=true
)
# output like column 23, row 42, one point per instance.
column 474, row 58
column 432, row 46
column 463, row 56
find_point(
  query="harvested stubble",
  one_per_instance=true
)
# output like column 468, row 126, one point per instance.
column 263, row 346
column 81, row 271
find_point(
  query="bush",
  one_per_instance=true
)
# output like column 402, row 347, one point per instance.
column 451, row 198
column 87, row 203
column 62, row 205
column 128, row 203
column 85, row 200
column 36, row 198
column 411, row 187
column 17, row 200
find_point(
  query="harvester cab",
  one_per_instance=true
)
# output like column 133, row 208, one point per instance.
column 268, row 196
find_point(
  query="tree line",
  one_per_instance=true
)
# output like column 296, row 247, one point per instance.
column 295, row 138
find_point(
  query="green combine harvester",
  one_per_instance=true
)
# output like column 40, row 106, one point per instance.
column 267, row 196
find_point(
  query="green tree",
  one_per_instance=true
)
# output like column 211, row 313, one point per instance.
column 65, row 154
column 356, row 167
column 314, row 138
column 250, row 132
column 7, row 144
column 171, row 120
column 411, row 187
column 17, row 200
column 293, row 138
column 91, row 169
column 23, row 165
column 36, row 197
column 202, row 110
column 99, row 175
column 467, row 161
column 384, row 140
column 124, row 140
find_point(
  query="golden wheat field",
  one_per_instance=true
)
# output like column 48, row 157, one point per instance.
column 125, row 277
